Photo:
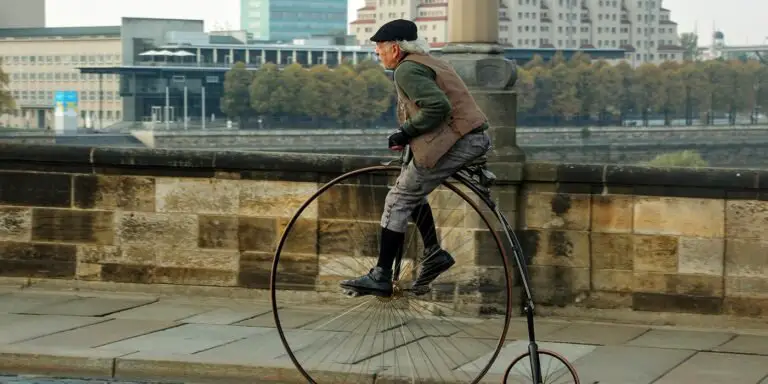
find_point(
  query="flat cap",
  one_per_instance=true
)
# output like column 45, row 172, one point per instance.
column 398, row 29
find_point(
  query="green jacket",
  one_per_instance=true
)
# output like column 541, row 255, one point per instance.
column 417, row 82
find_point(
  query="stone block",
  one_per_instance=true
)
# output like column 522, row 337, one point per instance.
column 36, row 189
column 661, row 302
column 557, row 211
column 746, row 258
column 88, row 271
column 700, row 256
column 121, row 273
column 655, row 253
column 747, row 286
column 695, row 285
column 209, row 196
column 157, row 229
column 72, row 226
column 679, row 216
column 346, row 238
column 276, row 198
column 612, row 280
column 352, row 202
column 15, row 224
column 257, row 234
column 114, row 193
column 561, row 248
column 555, row 285
column 294, row 271
column 37, row 260
column 745, row 306
column 161, row 256
column 747, row 219
column 219, row 232
column 302, row 237
column 612, row 213
column 611, row 251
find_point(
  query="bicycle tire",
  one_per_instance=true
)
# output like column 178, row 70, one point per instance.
column 372, row 169
column 546, row 352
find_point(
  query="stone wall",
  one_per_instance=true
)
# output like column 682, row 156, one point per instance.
column 648, row 239
column 602, row 235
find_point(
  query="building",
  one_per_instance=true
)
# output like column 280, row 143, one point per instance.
column 285, row 20
column 22, row 14
column 642, row 28
column 41, row 61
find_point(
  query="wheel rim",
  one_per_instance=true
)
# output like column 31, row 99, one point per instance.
column 420, row 334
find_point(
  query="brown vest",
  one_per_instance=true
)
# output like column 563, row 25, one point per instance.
column 465, row 115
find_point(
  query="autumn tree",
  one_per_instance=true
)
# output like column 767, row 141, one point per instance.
column 648, row 90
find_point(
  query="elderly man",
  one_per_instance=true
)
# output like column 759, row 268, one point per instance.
column 445, row 129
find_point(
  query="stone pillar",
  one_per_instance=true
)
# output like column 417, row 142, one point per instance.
column 473, row 50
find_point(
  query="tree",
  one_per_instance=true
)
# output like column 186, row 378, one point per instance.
column 648, row 89
column 266, row 81
column 672, row 90
column 380, row 92
column 565, row 103
column 7, row 104
column 236, row 99
column 690, row 44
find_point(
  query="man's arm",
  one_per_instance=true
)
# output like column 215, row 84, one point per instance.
column 418, row 83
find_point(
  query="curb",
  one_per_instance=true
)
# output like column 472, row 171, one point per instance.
column 106, row 364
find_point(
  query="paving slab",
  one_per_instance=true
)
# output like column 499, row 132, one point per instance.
column 88, row 306
column 351, row 348
column 224, row 316
column 511, row 351
column 289, row 319
column 21, row 301
column 595, row 334
column 679, row 339
column 716, row 368
column 162, row 311
column 435, row 358
column 517, row 330
column 748, row 344
column 99, row 334
column 185, row 339
column 627, row 365
column 34, row 326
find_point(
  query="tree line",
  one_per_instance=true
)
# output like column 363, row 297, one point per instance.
column 580, row 91
column 347, row 96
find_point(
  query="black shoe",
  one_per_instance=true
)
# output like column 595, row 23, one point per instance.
column 435, row 262
column 377, row 282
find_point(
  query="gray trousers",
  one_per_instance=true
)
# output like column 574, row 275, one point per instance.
column 415, row 183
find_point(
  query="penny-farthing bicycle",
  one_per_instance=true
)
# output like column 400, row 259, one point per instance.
column 452, row 334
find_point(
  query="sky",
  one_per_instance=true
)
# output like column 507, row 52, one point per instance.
column 742, row 21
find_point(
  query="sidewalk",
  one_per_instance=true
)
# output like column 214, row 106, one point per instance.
column 217, row 340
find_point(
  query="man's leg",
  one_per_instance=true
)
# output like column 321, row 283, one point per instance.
column 408, row 194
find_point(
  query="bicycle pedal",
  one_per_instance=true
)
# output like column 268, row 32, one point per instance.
column 350, row 293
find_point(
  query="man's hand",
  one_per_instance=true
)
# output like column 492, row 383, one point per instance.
column 398, row 140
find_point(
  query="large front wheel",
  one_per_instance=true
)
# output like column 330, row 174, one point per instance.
column 451, row 334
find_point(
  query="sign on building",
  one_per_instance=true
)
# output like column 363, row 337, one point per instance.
column 65, row 112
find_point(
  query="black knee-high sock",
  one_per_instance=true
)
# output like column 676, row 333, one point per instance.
column 424, row 220
column 391, row 246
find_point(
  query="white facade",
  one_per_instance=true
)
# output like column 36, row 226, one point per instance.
column 641, row 27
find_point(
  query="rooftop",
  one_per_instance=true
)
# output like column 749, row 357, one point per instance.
column 110, row 31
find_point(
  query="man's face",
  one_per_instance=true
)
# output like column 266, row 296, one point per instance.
column 388, row 53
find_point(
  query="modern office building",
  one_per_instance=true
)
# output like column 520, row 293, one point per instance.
column 285, row 20
column 642, row 28
column 22, row 14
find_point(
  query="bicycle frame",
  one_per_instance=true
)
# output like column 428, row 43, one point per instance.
column 484, row 192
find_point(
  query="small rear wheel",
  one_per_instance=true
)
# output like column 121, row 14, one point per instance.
column 555, row 369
